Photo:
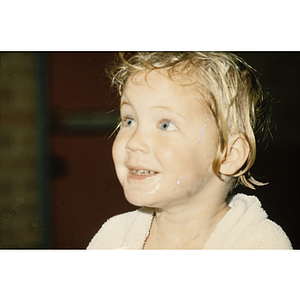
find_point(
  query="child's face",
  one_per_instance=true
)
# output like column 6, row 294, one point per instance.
column 156, row 154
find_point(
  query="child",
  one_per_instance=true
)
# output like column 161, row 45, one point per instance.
column 185, row 140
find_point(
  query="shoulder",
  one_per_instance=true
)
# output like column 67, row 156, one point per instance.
column 268, row 235
column 246, row 226
column 260, row 232
column 112, row 233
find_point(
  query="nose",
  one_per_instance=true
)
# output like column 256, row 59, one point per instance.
column 138, row 141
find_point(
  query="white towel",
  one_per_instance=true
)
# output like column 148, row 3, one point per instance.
column 245, row 226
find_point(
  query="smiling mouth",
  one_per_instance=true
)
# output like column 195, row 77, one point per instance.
column 135, row 173
column 143, row 172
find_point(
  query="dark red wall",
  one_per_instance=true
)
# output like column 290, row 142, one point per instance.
column 85, row 191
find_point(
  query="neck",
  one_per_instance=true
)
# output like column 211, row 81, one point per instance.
column 187, row 226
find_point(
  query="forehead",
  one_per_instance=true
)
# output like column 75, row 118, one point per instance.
column 147, row 90
column 177, row 76
column 161, row 82
column 162, row 85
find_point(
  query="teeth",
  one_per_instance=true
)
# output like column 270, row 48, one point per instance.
column 142, row 172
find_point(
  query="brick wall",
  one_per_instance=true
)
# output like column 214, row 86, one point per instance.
column 20, row 221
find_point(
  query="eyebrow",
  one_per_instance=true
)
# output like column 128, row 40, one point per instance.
column 168, row 109
column 155, row 107
column 124, row 103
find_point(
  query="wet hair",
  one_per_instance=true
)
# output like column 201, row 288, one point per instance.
column 227, row 83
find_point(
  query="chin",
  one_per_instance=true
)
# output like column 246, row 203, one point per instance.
column 141, row 200
column 142, row 195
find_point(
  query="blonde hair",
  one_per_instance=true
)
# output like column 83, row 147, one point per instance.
column 229, row 86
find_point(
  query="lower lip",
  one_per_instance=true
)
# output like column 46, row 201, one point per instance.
column 140, row 177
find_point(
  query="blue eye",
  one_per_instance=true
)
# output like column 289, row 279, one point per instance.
column 167, row 125
column 127, row 122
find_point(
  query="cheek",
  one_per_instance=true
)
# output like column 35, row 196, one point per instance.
column 117, row 151
column 168, row 152
column 196, row 158
column 118, row 159
column 176, row 158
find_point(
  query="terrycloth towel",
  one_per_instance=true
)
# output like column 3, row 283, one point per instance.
column 245, row 226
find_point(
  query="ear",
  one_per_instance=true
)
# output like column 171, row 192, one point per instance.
column 236, row 156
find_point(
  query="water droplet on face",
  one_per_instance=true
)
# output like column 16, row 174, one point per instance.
column 179, row 179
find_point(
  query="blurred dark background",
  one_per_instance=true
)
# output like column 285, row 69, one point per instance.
column 57, row 180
